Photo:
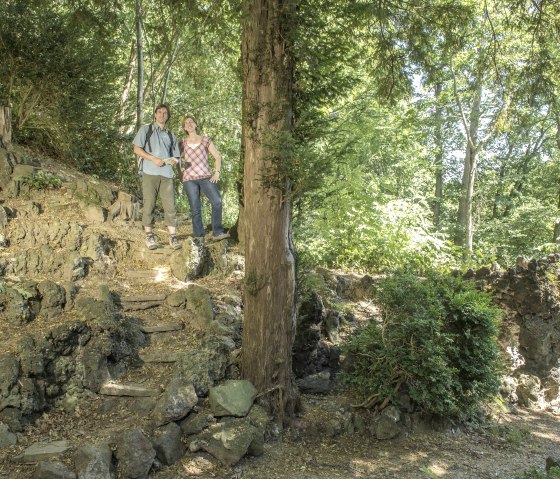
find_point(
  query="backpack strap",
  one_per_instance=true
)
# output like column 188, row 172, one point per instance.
column 146, row 142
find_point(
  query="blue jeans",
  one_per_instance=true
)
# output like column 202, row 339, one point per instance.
column 193, row 189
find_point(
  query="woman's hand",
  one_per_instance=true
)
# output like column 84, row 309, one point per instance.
column 215, row 177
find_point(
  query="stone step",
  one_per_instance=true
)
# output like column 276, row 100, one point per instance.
column 162, row 328
column 140, row 306
column 161, row 356
column 42, row 451
column 143, row 298
column 134, row 390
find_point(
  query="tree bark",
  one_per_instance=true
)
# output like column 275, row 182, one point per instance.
column 127, row 86
column 269, row 324
column 5, row 125
column 140, row 55
column 439, row 156
column 464, row 235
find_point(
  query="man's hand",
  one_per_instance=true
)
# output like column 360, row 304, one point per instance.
column 158, row 161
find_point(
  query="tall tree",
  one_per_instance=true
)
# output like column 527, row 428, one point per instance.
column 269, row 323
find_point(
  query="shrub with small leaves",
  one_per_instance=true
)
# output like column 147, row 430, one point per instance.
column 437, row 343
column 42, row 181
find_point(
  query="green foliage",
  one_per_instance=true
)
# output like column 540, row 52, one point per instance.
column 552, row 473
column 42, row 180
column 437, row 343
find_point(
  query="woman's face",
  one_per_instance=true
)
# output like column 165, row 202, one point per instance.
column 189, row 125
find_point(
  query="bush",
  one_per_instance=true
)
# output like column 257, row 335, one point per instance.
column 42, row 181
column 437, row 343
column 552, row 473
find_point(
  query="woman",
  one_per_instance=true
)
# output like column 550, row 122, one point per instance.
column 197, row 178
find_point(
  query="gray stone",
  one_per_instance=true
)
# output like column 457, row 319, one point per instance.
column 385, row 427
column 528, row 390
column 204, row 367
column 20, row 171
column 199, row 303
column 196, row 422
column 53, row 298
column 42, row 451
column 177, row 401
column 94, row 461
column 228, row 441
column 7, row 438
column 9, row 372
column 135, row 454
column 12, row 417
column 94, row 367
column 162, row 328
column 190, row 262
column 233, row 398
column 95, row 214
column 92, row 192
column 259, row 417
column 319, row 383
column 168, row 445
column 53, row 470
column 30, row 357
column 134, row 390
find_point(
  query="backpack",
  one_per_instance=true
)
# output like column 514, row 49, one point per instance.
column 139, row 159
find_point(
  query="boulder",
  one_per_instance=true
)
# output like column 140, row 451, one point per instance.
column 196, row 422
column 190, row 262
column 42, row 451
column 53, row 298
column 177, row 401
column 233, row 398
column 7, row 438
column 228, row 441
column 319, row 383
column 94, row 461
column 95, row 214
column 53, row 470
column 168, row 445
column 135, row 454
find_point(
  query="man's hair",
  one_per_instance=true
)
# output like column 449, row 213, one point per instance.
column 163, row 105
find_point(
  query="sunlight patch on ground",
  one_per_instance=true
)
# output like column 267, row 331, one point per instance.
column 162, row 273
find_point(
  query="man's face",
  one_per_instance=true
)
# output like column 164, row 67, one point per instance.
column 161, row 115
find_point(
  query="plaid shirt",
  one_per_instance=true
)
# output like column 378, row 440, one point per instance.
column 196, row 160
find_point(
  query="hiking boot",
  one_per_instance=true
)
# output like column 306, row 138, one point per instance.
column 151, row 242
column 224, row 235
column 174, row 243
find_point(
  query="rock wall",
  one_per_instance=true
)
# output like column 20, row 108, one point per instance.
column 529, row 295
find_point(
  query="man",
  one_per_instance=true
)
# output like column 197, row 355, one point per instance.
column 154, row 144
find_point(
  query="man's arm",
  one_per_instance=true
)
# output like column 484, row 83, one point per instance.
column 147, row 156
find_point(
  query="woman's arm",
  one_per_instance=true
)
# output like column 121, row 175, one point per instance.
column 218, row 162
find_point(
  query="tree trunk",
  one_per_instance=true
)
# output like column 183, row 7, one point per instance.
column 464, row 235
column 140, row 90
column 172, row 58
column 269, row 324
column 5, row 125
column 439, row 157
column 127, row 86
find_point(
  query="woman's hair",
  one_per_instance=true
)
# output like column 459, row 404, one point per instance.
column 186, row 117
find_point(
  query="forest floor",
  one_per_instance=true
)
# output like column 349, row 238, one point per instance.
column 512, row 442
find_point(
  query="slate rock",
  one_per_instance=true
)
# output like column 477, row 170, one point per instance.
column 53, row 470
column 30, row 356
column 199, row 303
column 177, row 401
column 42, row 451
column 7, row 438
column 203, row 368
column 53, row 298
column 385, row 427
column 95, row 214
column 135, row 454
column 9, row 372
column 319, row 383
column 94, row 461
column 168, row 445
column 228, row 441
column 190, row 262
column 196, row 422
column 233, row 398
